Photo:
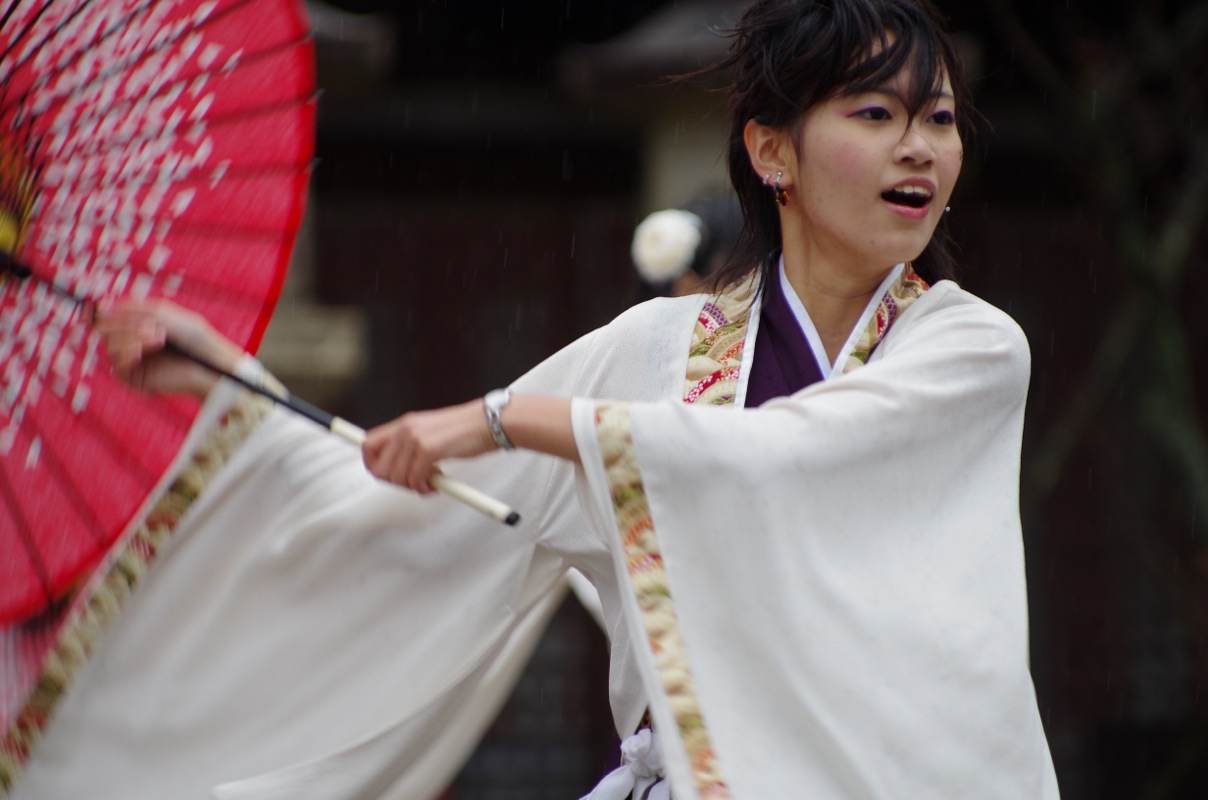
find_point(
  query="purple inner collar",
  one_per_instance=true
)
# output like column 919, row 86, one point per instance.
column 784, row 361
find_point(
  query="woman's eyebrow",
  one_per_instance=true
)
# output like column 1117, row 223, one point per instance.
column 892, row 92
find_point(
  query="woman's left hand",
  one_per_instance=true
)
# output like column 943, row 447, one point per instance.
column 405, row 451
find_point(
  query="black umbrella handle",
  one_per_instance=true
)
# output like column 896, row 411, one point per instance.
column 343, row 428
column 295, row 404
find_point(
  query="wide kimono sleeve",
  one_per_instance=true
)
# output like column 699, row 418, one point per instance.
column 311, row 632
column 827, row 593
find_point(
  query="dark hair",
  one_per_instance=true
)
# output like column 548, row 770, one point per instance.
column 786, row 56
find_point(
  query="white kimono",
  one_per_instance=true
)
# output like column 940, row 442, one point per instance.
column 847, row 614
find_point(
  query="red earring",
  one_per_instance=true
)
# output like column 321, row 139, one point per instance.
column 779, row 192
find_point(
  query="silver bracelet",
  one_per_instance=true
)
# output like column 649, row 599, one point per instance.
column 494, row 403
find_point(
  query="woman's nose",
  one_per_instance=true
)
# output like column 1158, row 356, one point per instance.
column 914, row 147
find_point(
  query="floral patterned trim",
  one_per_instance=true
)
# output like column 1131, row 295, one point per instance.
column 650, row 584
column 717, row 341
column 90, row 617
column 898, row 297
column 714, row 365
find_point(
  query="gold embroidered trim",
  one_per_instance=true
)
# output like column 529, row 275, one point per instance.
column 717, row 342
column 714, row 365
column 650, row 584
column 898, row 297
column 90, row 618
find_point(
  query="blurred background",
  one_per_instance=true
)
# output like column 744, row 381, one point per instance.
column 483, row 164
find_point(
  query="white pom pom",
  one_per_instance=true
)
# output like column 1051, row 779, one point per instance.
column 665, row 243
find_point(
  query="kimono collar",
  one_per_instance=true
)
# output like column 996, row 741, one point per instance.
column 716, row 369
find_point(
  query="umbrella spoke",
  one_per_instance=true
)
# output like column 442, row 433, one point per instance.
column 187, row 174
column 48, row 453
column 25, row 534
column 199, row 228
column 97, row 82
column 148, row 148
column 28, row 27
column 133, row 61
column 246, row 61
column 110, row 442
column 72, row 58
column 92, row 149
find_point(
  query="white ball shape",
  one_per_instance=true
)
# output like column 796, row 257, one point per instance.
column 665, row 243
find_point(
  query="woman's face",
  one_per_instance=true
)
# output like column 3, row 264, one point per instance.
column 870, row 182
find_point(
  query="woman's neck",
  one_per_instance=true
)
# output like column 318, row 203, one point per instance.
column 834, row 297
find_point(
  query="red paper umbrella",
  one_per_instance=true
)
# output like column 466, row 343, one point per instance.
column 150, row 148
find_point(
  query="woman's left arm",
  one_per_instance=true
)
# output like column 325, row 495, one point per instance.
column 407, row 450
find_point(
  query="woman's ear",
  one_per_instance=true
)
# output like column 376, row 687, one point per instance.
column 771, row 151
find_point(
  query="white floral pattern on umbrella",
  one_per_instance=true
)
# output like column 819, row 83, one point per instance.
column 146, row 149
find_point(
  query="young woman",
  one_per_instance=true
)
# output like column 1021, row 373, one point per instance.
column 797, row 497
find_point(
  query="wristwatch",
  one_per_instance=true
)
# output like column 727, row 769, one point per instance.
column 494, row 403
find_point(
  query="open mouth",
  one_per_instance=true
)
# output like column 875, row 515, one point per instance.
column 912, row 196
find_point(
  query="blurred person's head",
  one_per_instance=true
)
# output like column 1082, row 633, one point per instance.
column 677, row 250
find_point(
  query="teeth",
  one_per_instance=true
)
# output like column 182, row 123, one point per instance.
column 910, row 195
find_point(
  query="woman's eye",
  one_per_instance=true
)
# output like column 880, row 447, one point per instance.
column 943, row 118
column 875, row 113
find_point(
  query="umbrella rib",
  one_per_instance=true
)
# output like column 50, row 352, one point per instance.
column 246, row 93
column 8, row 14
column 129, row 462
column 245, row 60
column 218, row 120
column 195, row 174
column 132, row 60
column 79, row 53
column 202, row 228
column 202, row 174
column 191, row 285
column 25, row 534
column 55, row 467
column 51, row 34
column 29, row 26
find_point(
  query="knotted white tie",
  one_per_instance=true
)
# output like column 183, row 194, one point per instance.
column 641, row 768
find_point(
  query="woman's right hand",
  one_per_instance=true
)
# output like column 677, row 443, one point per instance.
column 137, row 335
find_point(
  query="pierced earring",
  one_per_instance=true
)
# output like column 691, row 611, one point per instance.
column 947, row 209
column 779, row 192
